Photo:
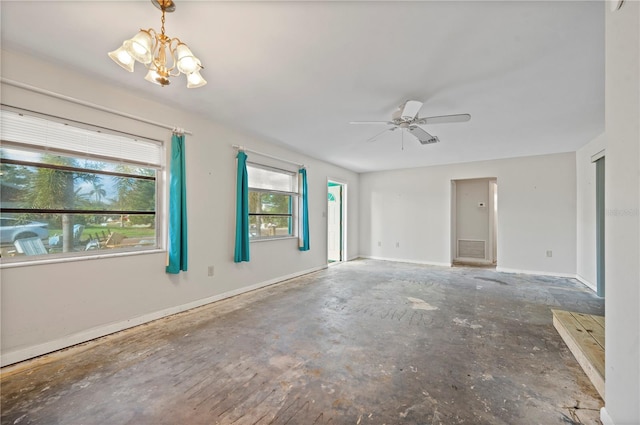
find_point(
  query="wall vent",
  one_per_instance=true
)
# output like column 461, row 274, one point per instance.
column 468, row 248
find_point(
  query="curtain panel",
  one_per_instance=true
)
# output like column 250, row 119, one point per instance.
column 303, row 240
column 177, row 235
column 242, row 210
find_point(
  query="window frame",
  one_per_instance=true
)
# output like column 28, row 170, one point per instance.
column 293, row 200
column 159, row 188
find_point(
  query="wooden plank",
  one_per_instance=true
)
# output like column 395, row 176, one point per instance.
column 588, row 345
column 591, row 326
column 599, row 319
column 584, row 348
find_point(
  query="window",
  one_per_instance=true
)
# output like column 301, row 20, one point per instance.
column 74, row 191
column 272, row 199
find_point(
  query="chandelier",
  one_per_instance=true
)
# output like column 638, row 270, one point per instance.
column 164, row 57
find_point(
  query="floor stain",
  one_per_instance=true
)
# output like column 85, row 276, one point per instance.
column 488, row 279
column 418, row 304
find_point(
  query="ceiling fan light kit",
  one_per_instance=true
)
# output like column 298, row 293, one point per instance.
column 163, row 56
column 406, row 118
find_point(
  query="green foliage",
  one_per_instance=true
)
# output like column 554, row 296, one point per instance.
column 269, row 203
column 136, row 194
column 33, row 187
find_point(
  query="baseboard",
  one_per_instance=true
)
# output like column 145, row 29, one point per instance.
column 586, row 283
column 90, row 334
column 472, row 261
column 535, row 272
column 402, row 260
column 605, row 418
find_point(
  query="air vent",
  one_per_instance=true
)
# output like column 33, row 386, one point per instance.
column 471, row 249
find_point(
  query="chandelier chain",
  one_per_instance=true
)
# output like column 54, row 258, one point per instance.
column 162, row 29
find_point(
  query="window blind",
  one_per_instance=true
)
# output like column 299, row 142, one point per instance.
column 62, row 138
column 268, row 179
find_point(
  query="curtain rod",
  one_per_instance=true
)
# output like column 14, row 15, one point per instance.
column 92, row 105
column 242, row 148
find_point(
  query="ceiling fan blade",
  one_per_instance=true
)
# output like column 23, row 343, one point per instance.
column 371, row 139
column 371, row 122
column 444, row 119
column 410, row 109
column 422, row 136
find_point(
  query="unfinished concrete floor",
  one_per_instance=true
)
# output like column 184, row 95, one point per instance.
column 365, row 342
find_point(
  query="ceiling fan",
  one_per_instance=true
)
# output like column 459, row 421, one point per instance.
column 406, row 117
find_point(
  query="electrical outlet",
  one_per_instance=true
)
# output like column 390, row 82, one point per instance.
column 210, row 271
column 397, row 244
column 549, row 253
column 379, row 243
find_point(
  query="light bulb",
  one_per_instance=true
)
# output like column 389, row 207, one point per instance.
column 195, row 80
column 140, row 46
column 123, row 58
column 185, row 61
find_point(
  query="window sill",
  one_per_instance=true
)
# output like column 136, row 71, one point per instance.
column 44, row 260
column 273, row 239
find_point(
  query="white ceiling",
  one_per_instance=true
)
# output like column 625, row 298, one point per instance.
column 531, row 74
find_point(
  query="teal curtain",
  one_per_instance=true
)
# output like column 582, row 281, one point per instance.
column 177, row 249
column 242, row 210
column 304, row 216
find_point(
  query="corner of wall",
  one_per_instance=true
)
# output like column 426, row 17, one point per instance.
column 605, row 418
column 586, row 283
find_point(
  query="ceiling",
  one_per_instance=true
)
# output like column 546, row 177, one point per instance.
column 531, row 74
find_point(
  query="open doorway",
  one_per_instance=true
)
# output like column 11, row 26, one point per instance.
column 474, row 221
column 336, row 221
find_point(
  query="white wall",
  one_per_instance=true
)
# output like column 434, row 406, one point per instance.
column 536, row 212
column 586, row 212
column 622, row 203
column 46, row 307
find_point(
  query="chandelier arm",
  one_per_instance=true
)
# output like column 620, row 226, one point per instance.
column 173, row 44
column 155, row 52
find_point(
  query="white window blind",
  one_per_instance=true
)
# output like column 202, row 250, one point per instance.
column 264, row 178
column 62, row 138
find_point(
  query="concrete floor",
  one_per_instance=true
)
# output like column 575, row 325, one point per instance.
column 365, row 342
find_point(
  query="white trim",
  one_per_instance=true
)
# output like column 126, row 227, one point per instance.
column 5, row 263
column 605, row 418
column 535, row 272
column 271, row 238
column 586, row 283
column 88, row 335
column 402, row 260
column 343, row 215
column 597, row 156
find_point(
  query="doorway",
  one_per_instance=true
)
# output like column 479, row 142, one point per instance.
column 336, row 221
column 474, row 221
